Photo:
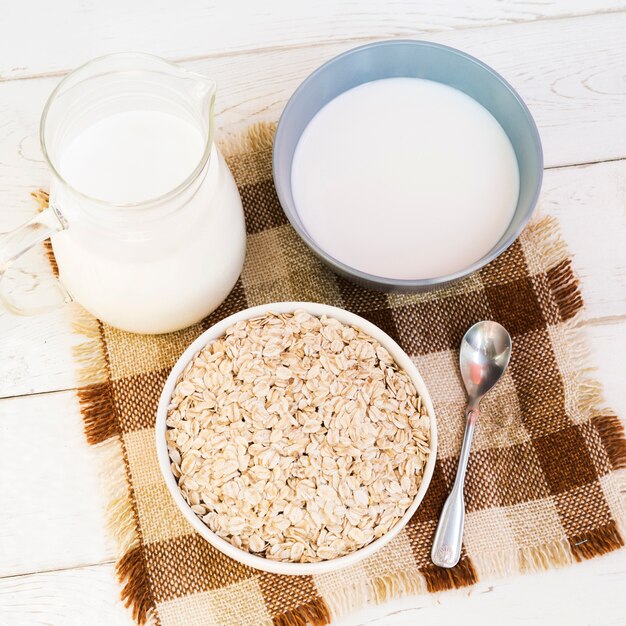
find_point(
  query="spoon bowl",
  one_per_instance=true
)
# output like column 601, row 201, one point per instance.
column 484, row 355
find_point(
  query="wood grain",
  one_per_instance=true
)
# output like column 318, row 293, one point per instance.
column 50, row 495
column 87, row 596
column 587, row 594
column 39, row 37
column 36, row 352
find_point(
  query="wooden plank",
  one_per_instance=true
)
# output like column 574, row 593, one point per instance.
column 73, row 32
column 36, row 352
column 51, row 500
column 74, row 597
column 589, row 202
column 580, row 111
column 587, row 594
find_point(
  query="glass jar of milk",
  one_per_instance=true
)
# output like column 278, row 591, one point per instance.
column 145, row 218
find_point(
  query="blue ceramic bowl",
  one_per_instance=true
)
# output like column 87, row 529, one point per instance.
column 419, row 59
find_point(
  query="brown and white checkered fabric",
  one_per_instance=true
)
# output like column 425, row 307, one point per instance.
column 543, row 485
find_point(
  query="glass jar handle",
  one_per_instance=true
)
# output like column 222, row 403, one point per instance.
column 40, row 295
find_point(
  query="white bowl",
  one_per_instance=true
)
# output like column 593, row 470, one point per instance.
column 258, row 562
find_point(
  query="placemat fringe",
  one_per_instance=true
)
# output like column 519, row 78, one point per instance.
column 498, row 563
column 350, row 598
column 257, row 137
column 396, row 585
column 102, row 431
column 314, row 613
column 94, row 391
column 551, row 246
column 90, row 354
column 565, row 289
column 136, row 593
column 441, row 579
column 619, row 479
column 596, row 543
column 120, row 517
column 588, row 397
column 552, row 251
column 531, row 559
column 611, row 432
column 376, row 591
column 534, row 559
column 98, row 413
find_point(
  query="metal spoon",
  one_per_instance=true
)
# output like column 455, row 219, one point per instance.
column 485, row 354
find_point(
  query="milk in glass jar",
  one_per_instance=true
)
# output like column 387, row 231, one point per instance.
column 145, row 218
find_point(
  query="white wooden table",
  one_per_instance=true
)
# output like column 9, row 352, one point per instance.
column 567, row 58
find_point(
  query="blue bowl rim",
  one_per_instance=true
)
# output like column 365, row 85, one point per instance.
column 404, row 283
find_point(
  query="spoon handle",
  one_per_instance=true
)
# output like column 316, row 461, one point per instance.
column 446, row 550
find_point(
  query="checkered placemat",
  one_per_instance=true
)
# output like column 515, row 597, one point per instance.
column 545, row 472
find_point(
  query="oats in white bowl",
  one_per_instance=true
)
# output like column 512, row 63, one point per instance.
column 297, row 438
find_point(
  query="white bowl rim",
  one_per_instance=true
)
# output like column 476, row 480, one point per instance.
column 247, row 558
